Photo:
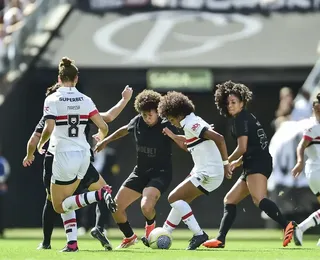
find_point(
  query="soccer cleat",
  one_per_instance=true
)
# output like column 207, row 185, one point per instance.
column 42, row 246
column 318, row 244
column 196, row 241
column 149, row 228
column 145, row 241
column 288, row 233
column 97, row 234
column 214, row 243
column 128, row 241
column 70, row 248
column 298, row 236
column 111, row 204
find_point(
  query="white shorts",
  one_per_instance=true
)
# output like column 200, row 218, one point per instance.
column 313, row 176
column 205, row 182
column 69, row 166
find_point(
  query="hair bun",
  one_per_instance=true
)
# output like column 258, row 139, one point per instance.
column 66, row 62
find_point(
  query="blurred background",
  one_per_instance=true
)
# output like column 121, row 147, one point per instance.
column 184, row 45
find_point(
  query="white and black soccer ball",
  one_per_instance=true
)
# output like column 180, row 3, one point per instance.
column 160, row 238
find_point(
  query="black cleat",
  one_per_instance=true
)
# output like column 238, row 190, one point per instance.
column 97, row 234
column 145, row 241
column 42, row 246
column 197, row 241
column 111, row 204
column 69, row 248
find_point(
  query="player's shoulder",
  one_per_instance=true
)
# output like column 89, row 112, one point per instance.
column 193, row 122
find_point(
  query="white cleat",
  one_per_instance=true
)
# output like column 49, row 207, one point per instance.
column 318, row 244
column 298, row 236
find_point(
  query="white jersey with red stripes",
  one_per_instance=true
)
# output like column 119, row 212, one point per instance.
column 71, row 110
column 205, row 153
column 312, row 134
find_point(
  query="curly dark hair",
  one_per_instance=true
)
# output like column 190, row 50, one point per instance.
column 52, row 89
column 227, row 88
column 147, row 100
column 175, row 104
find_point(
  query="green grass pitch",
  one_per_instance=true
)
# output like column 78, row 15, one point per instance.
column 241, row 244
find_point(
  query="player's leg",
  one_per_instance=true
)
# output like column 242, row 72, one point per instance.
column 314, row 219
column 257, row 185
column 238, row 192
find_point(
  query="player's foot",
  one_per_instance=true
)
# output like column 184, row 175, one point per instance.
column 288, row 233
column 70, row 248
column 145, row 241
column 196, row 241
column 97, row 234
column 149, row 228
column 111, row 204
column 298, row 236
column 43, row 246
column 214, row 243
column 128, row 241
column 318, row 244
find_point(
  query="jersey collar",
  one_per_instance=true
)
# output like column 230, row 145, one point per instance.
column 66, row 89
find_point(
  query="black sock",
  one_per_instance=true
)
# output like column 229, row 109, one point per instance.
column 229, row 215
column 102, row 215
column 126, row 229
column 272, row 210
column 48, row 218
column 150, row 221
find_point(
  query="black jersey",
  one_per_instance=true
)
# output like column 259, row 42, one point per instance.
column 246, row 124
column 152, row 146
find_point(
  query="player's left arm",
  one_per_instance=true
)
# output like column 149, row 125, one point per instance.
column 31, row 148
column 240, row 149
column 180, row 140
column 114, row 112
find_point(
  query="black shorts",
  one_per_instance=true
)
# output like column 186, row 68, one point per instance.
column 91, row 176
column 157, row 178
column 261, row 164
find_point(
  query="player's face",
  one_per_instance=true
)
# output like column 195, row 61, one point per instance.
column 234, row 105
column 316, row 108
column 174, row 121
column 150, row 117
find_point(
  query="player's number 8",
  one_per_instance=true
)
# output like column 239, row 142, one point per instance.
column 73, row 122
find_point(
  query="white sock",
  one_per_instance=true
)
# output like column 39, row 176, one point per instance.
column 312, row 221
column 172, row 221
column 79, row 201
column 70, row 225
column 187, row 216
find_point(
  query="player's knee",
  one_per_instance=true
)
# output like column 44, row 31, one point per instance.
column 147, row 208
column 228, row 200
column 256, row 200
column 172, row 198
column 58, row 208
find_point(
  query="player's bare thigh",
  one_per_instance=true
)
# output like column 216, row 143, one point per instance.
column 60, row 192
column 237, row 193
column 184, row 191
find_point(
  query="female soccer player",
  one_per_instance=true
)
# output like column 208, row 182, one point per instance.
column 310, row 144
column 252, row 151
column 153, row 173
column 92, row 179
column 66, row 114
column 209, row 153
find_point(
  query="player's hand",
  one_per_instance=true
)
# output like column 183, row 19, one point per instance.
column 235, row 164
column 168, row 132
column 227, row 171
column 28, row 160
column 297, row 169
column 40, row 149
column 100, row 146
column 98, row 136
column 211, row 126
column 127, row 93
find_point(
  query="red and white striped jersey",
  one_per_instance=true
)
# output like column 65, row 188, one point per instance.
column 312, row 134
column 205, row 153
column 71, row 110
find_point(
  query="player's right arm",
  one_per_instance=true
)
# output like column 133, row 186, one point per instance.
column 31, row 148
column 305, row 141
column 121, row 132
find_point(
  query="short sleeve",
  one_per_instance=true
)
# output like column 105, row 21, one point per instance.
column 133, row 123
column 309, row 134
column 92, row 108
column 241, row 125
column 49, row 109
column 40, row 126
column 197, row 128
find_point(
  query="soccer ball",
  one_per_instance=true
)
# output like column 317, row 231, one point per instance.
column 160, row 238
